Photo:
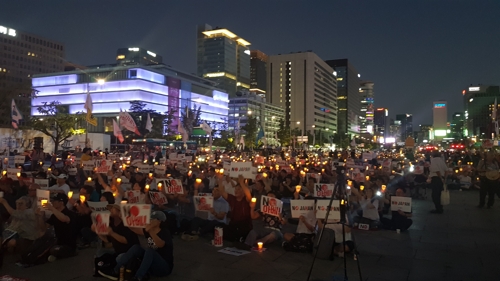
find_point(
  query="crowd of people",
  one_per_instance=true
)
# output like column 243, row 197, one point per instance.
column 36, row 230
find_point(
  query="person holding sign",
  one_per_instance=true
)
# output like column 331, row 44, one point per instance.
column 301, row 240
column 157, row 259
column 399, row 220
column 241, row 220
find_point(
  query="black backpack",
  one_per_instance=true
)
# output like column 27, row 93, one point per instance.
column 104, row 262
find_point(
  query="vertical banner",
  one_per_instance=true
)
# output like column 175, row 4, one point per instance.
column 173, row 100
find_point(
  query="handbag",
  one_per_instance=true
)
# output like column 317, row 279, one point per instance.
column 445, row 196
column 492, row 175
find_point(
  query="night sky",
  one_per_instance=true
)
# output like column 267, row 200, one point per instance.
column 415, row 52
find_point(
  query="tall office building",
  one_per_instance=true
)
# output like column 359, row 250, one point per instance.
column 349, row 97
column 457, row 125
column 137, row 56
column 440, row 119
column 380, row 121
column 258, row 72
column 23, row 54
column 367, row 109
column 406, row 122
column 479, row 102
column 223, row 57
column 306, row 88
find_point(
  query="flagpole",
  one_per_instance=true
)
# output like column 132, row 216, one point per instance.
column 87, row 123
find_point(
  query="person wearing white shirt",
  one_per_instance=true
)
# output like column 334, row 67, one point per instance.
column 60, row 186
column 437, row 171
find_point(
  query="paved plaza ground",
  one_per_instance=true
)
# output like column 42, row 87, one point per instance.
column 461, row 244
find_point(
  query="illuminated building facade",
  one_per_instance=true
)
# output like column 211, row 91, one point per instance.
column 367, row 109
column 223, row 57
column 137, row 56
column 258, row 72
column 162, row 88
column 406, row 122
column 479, row 102
column 22, row 55
column 381, row 123
column 440, row 119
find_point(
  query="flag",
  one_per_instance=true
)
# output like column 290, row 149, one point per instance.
column 88, row 106
column 149, row 125
column 127, row 122
column 206, row 128
column 259, row 136
column 117, row 132
column 15, row 115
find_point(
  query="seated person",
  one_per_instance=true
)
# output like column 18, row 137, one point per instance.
column 267, row 232
column 216, row 217
column 60, row 185
column 334, row 225
column 400, row 220
column 302, row 239
column 157, row 259
column 369, row 207
column 63, row 221
column 22, row 230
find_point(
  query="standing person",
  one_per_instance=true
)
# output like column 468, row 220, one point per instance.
column 241, row 220
column 437, row 171
column 488, row 169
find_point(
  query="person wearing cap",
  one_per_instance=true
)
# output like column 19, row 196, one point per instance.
column 63, row 221
column 61, row 186
column 157, row 259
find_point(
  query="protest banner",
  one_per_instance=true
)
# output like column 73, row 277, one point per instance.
column 135, row 215
column 143, row 168
column 172, row 156
column 160, row 170
column 101, row 222
column 260, row 159
column 367, row 156
column 271, row 206
column 12, row 173
column 88, row 165
column 98, row 206
column 301, row 208
column 227, row 168
column 241, row 168
column 173, row 186
column 103, row 166
column 158, row 198
column 42, row 195
column 323, row 190
column 43, row 183
column 322, row 208
column 203, row 203
column 19, row 159
column 133, row 196
column 112, row 157
column 401, row 203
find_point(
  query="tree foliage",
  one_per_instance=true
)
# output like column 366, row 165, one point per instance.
column 250, row 130
column 56, row 122
column 191, row 118
column 162, row 122
column 283, row 133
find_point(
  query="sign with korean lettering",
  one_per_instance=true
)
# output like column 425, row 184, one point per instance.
column 301, row 208
column 323, row 190
column 401, row 203
column 160, row 169
column 322, row 208
column 143, row 168
column 271, row 206
column 242, row 168
column 12, row 173
column 19, row 159
column 88, row 165
column 135, row 215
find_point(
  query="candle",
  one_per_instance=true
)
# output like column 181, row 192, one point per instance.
column 189, row 173
column 254, row 200
column 89, row 179
column 49, row 169
column 18, row 175
column 383, row 187
column 322, row 170
column 349, row 183
column 298, row 188
column 43, row 202
column 150, row 175
column 41, row 163
column 123, row 202
column 342, row 202
column 361, row 187
column 147, row 186
column 160, row 185
column 260, row 245
column 119, row 180
column 82, row 198
column 264, row 175
column 198, row 180
column 70, row 194
column 216, row 171
column 4, row 173
column 221, row 171
column 367, row 178
column 169, row 175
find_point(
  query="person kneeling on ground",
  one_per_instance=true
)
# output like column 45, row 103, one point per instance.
column 400, row 220
column 216, row 217
column 302, row 239
column 157, row 259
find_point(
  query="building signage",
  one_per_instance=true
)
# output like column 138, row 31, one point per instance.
column 474, row 89
column 151, row 54
column 439, row 105
column 7, row 31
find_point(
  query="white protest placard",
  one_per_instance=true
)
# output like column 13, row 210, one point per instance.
column 173, row 186
column 133, row 196
column 42, row 195
column 350, row 163
column 301, row 208
column 359, row 177
column 172, row 156
column 88, row 165
column 98, row 206
column 103, row 166
column 43, row 183
column 241, row 168
column 401, row 203
column 12, row 173
column 136, row 162
column 158, row 198
column 19, row 159
column 143, row 168
column 160, row 170
column 227, row 168
column 322, row 208
column 315, row 176
column 135, row 215
column 271, row 206
column 418, row 170
column 323, row 190
column 203, row 203
column 101, row 222
column 367, row 156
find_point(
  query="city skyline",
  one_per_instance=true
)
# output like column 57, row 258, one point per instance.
column 414, row 54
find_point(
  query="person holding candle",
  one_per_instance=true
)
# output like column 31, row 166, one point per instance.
column 61, row 186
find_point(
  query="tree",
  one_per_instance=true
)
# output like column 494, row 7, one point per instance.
column 251, row 129
column 56, row 122
column 190, row 118
column 283, row 133
column 22, row 94
column 161, row 123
